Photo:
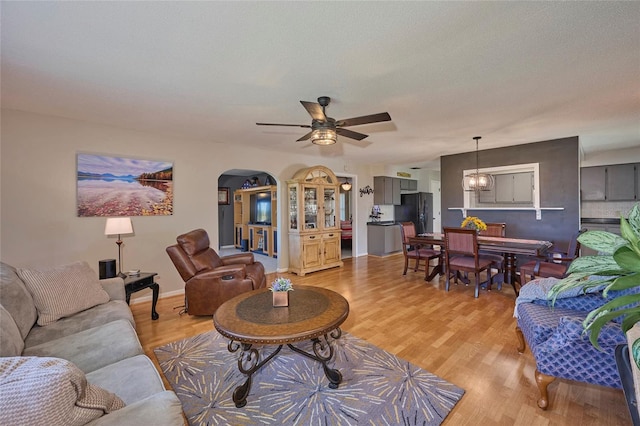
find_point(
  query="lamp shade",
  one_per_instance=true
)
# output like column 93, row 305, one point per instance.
column 346, row 186
column 118, row 225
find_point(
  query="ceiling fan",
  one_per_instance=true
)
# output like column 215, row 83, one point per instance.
column 324, row 130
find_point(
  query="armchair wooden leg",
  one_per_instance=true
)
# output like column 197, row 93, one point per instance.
column 406, row 265
column 543, row 381
column 521, row 342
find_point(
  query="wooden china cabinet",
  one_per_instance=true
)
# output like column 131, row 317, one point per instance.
column 314, row 228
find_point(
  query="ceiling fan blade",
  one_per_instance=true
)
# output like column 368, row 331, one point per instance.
column 365, row 119
column 305, row 137
column 314, row 110
column 289, row 125
column 351, row 134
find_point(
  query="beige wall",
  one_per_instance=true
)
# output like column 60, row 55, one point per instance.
column 39, row 226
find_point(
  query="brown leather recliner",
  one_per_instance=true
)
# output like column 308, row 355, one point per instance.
column 211, row 280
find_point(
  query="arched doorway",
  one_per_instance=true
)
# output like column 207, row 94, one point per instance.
column 244, row 236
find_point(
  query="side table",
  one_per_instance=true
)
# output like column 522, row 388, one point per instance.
column 133, row 283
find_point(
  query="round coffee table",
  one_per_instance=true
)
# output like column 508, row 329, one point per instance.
column 249, row 319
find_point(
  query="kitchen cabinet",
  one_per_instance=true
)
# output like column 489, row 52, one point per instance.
column 593, row 183
column 314, row 231
column 617, row 182
column 621, row 182
column 514, row 188
column 383, row 240
column 386, row 190
column 408, row 185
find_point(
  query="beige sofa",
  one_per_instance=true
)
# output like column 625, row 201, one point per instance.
column 70, row 353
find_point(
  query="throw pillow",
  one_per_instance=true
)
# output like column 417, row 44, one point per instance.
column 50, row 391
column 63, row 291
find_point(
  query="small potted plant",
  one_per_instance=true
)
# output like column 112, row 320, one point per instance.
column 472, row 222
column 280, row 289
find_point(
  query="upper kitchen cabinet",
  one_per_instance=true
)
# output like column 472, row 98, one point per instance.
column 386, row 190
column 621, row 182
column 609, row 183
column 408, row 184
column 593, row 183
column 515, row 188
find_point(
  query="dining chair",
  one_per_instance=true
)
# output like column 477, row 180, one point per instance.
column 495, row 230
column 462, row 255
column 415, row 251
column 554, row 263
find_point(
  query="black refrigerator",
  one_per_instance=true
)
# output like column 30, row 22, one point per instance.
column 416, row 208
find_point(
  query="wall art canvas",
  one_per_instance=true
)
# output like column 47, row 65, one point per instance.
column 117, row 186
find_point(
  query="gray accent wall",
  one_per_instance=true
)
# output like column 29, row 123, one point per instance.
column 559, row 187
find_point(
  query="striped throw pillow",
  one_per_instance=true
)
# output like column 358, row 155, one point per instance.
column 63, row 290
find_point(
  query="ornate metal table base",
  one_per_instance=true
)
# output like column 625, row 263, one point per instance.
column 249, row 362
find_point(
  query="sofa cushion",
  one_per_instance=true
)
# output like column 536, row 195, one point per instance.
column 94, row 348
column 51, row 391
column 161, row 409
column 63, row 290
column 132, row 379
column 11, row 343
column 16, row 299
column 94, row 317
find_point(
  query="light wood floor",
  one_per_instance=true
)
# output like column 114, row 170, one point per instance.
column 469, row 342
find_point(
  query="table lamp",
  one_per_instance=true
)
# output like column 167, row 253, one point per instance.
column 118, row 226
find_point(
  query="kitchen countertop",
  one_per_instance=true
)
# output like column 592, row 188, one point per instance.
column 382, row 223
column 603, row 220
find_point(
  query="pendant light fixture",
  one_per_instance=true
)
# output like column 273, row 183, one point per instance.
column 346, row 185
column 477, row 181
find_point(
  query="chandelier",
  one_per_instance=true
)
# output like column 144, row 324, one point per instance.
column 477, row 181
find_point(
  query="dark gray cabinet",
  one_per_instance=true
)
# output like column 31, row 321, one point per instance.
column 593, row 183
column 383, row 240
column 386, row 190
column 514, row 188
column 619, row 182
column 408, row 184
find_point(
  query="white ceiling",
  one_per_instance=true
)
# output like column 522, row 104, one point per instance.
column 511, row 72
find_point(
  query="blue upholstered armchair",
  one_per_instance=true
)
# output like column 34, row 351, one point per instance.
column 555, row 337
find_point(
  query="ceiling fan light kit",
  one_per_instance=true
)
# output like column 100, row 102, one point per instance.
column 477, row 181
column 324, row 137
column 325, row 130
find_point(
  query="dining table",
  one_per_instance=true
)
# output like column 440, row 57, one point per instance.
column 510, row 248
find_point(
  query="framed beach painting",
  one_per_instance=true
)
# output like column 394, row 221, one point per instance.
column 118, row 186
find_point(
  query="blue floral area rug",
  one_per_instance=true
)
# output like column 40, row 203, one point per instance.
column 377, row 387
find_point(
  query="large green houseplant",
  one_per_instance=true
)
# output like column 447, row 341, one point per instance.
column 617, row 268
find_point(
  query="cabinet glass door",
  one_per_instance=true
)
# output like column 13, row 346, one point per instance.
column 330, row 207
column 293, row 207
column 310, row 207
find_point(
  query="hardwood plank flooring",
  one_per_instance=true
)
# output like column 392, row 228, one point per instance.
column 469, row 342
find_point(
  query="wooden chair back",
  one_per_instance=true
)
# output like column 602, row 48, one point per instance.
column 495, row 230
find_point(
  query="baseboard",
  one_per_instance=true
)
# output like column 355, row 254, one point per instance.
column 135, row 300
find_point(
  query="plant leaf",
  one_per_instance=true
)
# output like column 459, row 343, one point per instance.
column 627, row 259
column 601, row 241
column 625, row 282
column 634, row 219
column 595, row 265
column 628, row 233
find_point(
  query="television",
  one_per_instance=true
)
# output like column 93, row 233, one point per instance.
column 260, row 205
